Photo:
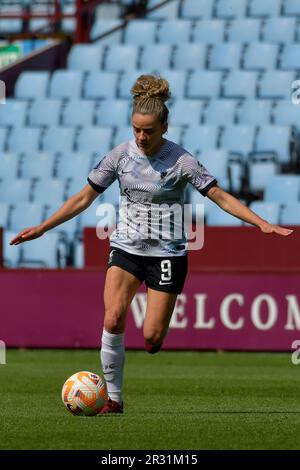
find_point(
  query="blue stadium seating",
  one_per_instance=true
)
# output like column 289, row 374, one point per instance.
column 260, row 56
column 289, row 59
column 13, row 113
column 225, row 56
column 199, row 138
column 127, row 80
column 276, row 138
column 9, row 165
column 73, row 165
column 69, row 229
column 58, row 139
column 260, row 171
column 217, row 217
column 26, row 214
column 45, row 112
column 220, row 112
column 42, row 252
column 244, row 30
column 204, row 84
column 290, row 214
column 31, row 85
column 267, row 210
column 155, row 57
column 174, row 32
column 11, row 254
column 140, row 32
column 4, row 214
column 174, row 134
column 209, row 31
column 66, row 84
column 184, row 112
column 49, row 191
column 168, row 11
column 276, row 84
column 76, row 185
column 196, row 9
column 279, row 30
column 100, row 85
column 17, row 192
column 113, row 113
column 229, row 9
column 121, row 57
column 283, row 188
column 189, row 56
column 3, row 138
column 123, row 134
column 265, row 8
column 238, row 139
column 254, row 112
column 240, row 84
column 85, row 57
column 37, row 165
column 78, row 113
column 24, row 139
column 291, row 8
column 102, row 26
column 177, row 80
column 216, row 161
column 287, row 113
column 94, row 139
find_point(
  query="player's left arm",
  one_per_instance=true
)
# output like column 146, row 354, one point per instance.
column 233, row 206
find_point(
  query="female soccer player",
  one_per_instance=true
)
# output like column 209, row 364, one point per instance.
column 152, row 173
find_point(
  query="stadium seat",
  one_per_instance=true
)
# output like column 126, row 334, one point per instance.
column 265, row 8
column 174, row 32
column 11, row 26
column 283, row 188
column 113, row 113
column 289, row 59
column 26, row 214
column 268, row 211
column 165, row 12
column 78, row 254
column 31, row 85
column 238, row 139
column 217, row 217
column 254, row 112
column 174, row 133
column 78, row 113
column 42, row 252
column 140, row 32
column 209, row 31
column 225, row 56
column 49, row 191
column 190, row 56
column 45, row 112
column 66, row 84
column 244, row 30
column 229, row 9
column 204, row 84
column 69, row 229
column 155, row 57
column 9, row 165
column 123, row 134
column 94, row 139
column 127, row 80
column 216, row 161
column 24, row 138
column 104, row 25
column 85, row 57
column 196, row 9
column 37, row 165
column 121, row 57
column 4, row 214
column 259, row 173
column 16, row 191
column 177, row 80
column 290, row 214
column 286, row 113
column 276, row 138
column 199, row 138
column 279, row 30
column 220, row 112
column 100, row 85
column 58, row 139
column 73, row 165
column 240, row 84
column 291, row 8
column 3, row 138
column 13, row 113
column 260, row 56
column 276, row 85
column 186, row 112
column 11, row 254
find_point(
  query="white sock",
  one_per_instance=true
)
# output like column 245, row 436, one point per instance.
column 112, row 359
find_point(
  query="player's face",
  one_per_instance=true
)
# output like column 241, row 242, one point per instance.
column 148, row 132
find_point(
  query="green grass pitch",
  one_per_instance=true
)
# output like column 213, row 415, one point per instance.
column 173, row 400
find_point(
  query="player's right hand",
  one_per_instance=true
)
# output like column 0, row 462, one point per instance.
column 27, row 234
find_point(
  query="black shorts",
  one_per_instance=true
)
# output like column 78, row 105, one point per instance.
column 165, row 274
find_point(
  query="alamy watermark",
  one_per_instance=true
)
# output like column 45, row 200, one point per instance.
column 2, row 352
column 2, row 92
column 153, row 222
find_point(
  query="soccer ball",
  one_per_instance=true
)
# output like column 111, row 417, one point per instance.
column 84, row 393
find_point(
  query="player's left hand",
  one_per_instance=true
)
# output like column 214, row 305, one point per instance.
column 269, row 228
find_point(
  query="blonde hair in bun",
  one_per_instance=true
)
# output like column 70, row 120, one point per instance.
column 149, row 94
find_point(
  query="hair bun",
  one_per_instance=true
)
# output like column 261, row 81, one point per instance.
column 151, row 86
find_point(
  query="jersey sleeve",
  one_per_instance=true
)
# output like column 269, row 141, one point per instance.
column 196, row 174
column 103, row 174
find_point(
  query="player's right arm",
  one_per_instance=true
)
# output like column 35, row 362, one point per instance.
column 72, row 207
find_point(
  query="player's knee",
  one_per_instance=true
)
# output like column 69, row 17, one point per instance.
column 114, row 321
